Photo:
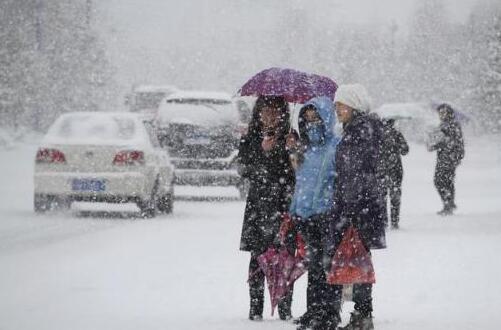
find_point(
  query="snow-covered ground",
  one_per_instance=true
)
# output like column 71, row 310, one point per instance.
column 89, row 270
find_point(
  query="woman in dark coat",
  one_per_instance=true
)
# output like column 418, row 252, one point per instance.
column 358, row 199
column 450, row 152
column 265, row 163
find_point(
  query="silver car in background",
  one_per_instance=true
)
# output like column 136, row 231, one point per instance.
column 201, row 131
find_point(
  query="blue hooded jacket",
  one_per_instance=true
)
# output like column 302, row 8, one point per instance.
column 314, row 191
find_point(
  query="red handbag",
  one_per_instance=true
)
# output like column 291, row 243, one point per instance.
column 352, row 263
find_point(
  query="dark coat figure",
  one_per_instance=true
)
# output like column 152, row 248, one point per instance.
column 394, row 147
column 271, row 180
column 358, row 197
column 450, row 152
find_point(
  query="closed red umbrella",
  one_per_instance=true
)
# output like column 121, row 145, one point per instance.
column 281, row 270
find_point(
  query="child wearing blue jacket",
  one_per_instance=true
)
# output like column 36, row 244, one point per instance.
column 310, row 207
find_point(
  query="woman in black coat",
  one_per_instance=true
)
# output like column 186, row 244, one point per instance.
column 265, row 163
column 358, row 199
column 450, row 152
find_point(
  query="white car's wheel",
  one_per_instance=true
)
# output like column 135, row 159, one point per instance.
column 243, row 189
column 165, row 203
column 148, row 208
column 43, row 203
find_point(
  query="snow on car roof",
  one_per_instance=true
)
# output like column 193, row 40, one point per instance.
column 202, row 95
column 101, row 128
column 155, row 88
column 197, row 114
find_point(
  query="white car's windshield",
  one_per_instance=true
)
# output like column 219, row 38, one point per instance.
column 198, row 112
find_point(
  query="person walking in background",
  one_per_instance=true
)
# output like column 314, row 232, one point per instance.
column 358, row 201
column 450, row 152
column 310, row 208
column 394, row 147
column 265, row 163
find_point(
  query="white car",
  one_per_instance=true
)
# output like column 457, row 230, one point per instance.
column 112, row 157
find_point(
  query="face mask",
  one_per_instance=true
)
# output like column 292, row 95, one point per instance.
column 315, row 133
column 338, row 129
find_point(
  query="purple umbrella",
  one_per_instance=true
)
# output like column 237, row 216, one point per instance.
column 281, row 270
column 295, row 86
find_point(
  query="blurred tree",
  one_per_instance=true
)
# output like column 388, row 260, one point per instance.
column 51, row 61
column 485, row 49
column 428, row 52
column 16, row 59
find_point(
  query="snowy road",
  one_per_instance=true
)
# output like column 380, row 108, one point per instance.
column 184, row 271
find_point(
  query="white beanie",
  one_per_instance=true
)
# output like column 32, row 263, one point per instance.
column 355, row 96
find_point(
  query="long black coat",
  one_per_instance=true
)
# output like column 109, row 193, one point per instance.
column 394, row 147
column 272, row 180
column 358, row 199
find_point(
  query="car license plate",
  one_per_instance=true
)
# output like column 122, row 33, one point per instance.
column 88, row 185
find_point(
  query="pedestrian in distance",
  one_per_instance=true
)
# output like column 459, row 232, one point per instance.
column 394, row 147
column 450, row 152
column 264, row 161
column 310, row 209
column 358, row 201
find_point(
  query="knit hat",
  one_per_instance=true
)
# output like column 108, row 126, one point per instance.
column 355, row 96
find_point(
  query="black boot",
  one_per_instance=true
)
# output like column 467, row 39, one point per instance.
column 256, row 291
column 256, row 305
column 359, row 322
column 304, row 320
column 285, row 315
column 328, row 321
column 255, row 317
column 284, row 307
column 310, row 320
column 447, row 210
column 321, row 321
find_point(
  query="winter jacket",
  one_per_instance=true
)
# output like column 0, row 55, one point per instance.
column 358, row 198
column 314, row 190
column 450, row 147
column 394, row 146
column 271, row 180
